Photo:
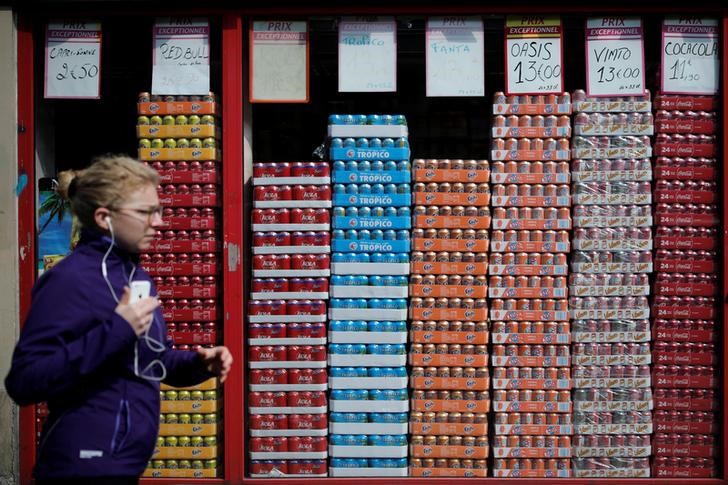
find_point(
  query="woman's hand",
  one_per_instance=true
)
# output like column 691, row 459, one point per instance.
column 139, row 315
column 217, row 361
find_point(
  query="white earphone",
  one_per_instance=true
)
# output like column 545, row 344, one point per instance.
column 153, row 344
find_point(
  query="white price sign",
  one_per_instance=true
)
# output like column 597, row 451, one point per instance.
column 615, row 61
column 455, row 56
column 533, row 55
column 73, row 59
column 279, row 61
column 367, row 55
column 690, row 62
column 181, row 63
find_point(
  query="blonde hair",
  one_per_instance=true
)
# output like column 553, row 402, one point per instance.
column 105, row 183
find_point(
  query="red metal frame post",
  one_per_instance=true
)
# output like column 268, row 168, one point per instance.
column 26, row 220
column 232, row 142
column 724, row 377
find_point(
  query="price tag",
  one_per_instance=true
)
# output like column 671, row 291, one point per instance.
column 533, row 55
column 615, row 64
column 367, row 54
column 181, row 63
column 73, row 59
column 279, row 61
column 455, row 56
column 689, row 55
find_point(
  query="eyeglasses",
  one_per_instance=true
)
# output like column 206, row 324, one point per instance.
column 144, row 214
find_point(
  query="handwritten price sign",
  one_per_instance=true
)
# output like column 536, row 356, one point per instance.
column 181, row 63
column 689, row 55
column 73, row 59
column 455, row 53
column 615, row 57
column 367, row 55
column 533, row 55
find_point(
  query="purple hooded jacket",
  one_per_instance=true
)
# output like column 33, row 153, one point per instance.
column 77, row 354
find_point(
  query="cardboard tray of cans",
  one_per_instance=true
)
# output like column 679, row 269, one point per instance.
column 612, row 176
column 685, row 173
column 367, row 472
column 367, row 360
column 685, row 427
column 531, row 473
column 683, row 335
column 613, row 199
column 529, row 178
column 530, row 201
column 368, row 451
column 179, row 154
column 530, row 155
column 369, row 200
column 595, row 105
column 191, row 406
column 687, row 103
column 685, row 149
column 189, row 177
column 612, row 406
column 193, row 337
column 287, row 364
column 611, row 359
column 535, row 384
column 531, row 131
column 531, row 407
column 448, row 451
column 166, row 429
column 179, row 473
column 189, row 223
column 288, row 410
column 370, row 269
column 448, row 291
column 289, row 295
column 527, row 292
column 610, row 221
column 448, row 472
column 627, row 451
column 531, row 338
column 686, row 220
column 532, row 109
column 189, row 315
column 190, row 291
column 448, row 268
column 451, row 383
column 286, row 318
column 614, row 152
column 181, row 269
column 611, row 382
column 449, row 360
column 368, row 428
column 531, row 452
column 370, row 153
column 673, row 472
column 451, row 176
column 449, row 429
column 175, row 246
column 291, row 181
column 369, row 337
column 691, row 312
column 452, row 222
column 367, row 383
column 613, row 428
column 462, row 245
column 529, row 315
column 184, row 453
column 610, row 337
column 262, row 433
column 371, row 177
column 685, row 404
column 605, row 314
column 528, row 269
column 447, row 337
column 642, row 290
column 347, row 406
column 613, row 473
column 367, row 131
column 534, row 429
column 188, row 200
column 367, row 314
column 451, row 405
column 356, row 291
column 208, row 385
column 685, row 289
column 686, row 382
column 685, row 196
column 288, row 455
column 178, row 131
column 530, row 224
column 705, row 243
column 591, row 129
column 530, row 246
column 177, row 107
column 451, row 198
column 528, row 361
column 691, row 450
column 450, row 314
column 685, row 266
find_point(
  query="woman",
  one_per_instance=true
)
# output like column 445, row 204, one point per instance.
column 93, row 355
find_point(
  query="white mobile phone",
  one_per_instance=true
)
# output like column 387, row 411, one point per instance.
column 139, row 290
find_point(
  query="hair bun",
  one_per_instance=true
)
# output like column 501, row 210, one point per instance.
column 67, row 182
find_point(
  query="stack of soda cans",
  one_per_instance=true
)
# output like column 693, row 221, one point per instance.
column 368, row 314
column 528, row 268
column 287, row 319
column 178, row 136
column 448, row 308
column 685, row 287
column 609, row 286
